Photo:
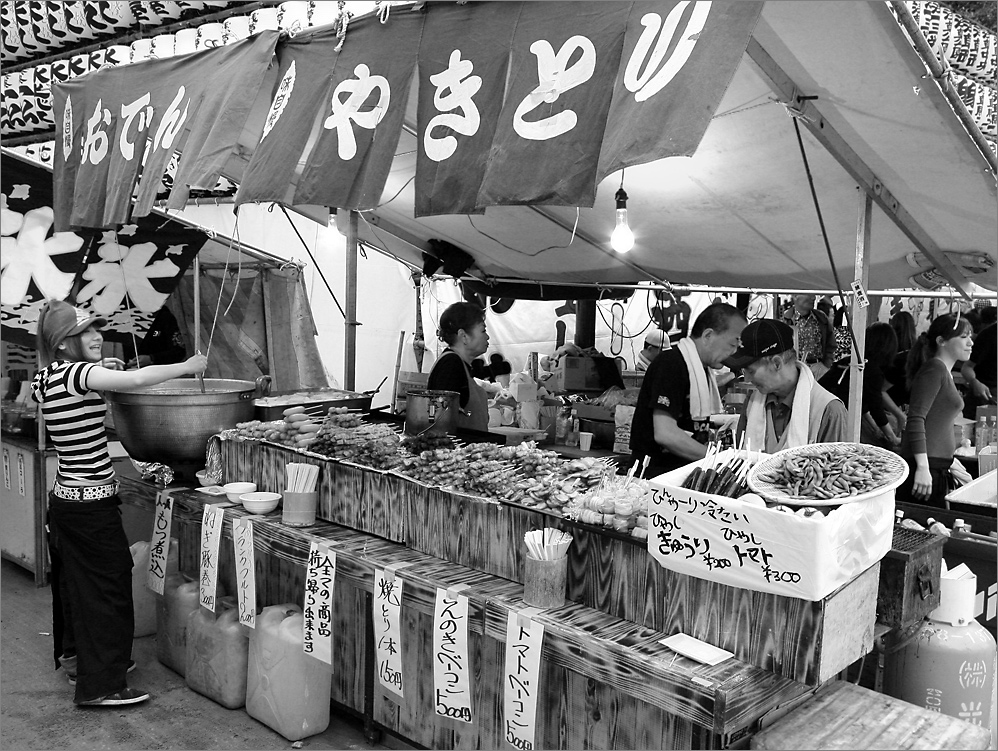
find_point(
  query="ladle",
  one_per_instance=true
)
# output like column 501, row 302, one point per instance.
column 197, row 314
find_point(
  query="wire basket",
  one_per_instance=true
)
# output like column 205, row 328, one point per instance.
column 891, row 472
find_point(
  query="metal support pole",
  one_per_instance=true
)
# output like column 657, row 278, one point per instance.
column 859, row 315
column 351, row 323
column 585, row 323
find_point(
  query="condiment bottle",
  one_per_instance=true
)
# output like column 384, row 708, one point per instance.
column 937, row 528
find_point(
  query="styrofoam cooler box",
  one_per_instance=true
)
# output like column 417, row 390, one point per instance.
column 749, row 546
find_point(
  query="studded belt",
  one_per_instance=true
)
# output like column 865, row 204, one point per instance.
column 86, row 493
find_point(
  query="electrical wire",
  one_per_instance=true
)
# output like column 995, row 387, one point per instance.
column 316, row 263
column 528, row 254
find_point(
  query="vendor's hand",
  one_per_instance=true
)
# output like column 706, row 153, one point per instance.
column 112, row 363
column 922, row 488
column 139, row 362
column 197, row 364
column 980, row 390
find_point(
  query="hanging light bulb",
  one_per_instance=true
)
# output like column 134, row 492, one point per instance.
column 622, row 239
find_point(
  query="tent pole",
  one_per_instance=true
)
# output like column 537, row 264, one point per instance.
column 585, row 323
column 350, row 324
column 859, row 314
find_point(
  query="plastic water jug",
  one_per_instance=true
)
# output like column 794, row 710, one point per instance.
column 180, row 599
column 143, row 598
column 286, row 690
column 217, row 653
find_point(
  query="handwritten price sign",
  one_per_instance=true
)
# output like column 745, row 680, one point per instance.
column 451, row 673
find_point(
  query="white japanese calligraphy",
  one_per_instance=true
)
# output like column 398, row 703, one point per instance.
column 656, row 76
column 455, row 89
column 139, row 108
column 172, row 122
column 346, row 111
column 67, row 130
column 281, row 99
column 555, row 77
column 95, row 142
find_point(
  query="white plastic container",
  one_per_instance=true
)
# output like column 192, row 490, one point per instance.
column 180, row 598
column 143, row 598
column 286, row 690
column 217, row 654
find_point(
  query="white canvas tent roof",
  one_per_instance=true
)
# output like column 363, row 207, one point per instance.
column 739, row 212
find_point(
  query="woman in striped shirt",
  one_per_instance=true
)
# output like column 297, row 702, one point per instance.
column 91, row 561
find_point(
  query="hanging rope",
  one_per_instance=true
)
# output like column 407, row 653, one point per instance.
column 128, row 303
column 315, row 263
column 796, row 113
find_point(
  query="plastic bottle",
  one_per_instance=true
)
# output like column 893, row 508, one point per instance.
column 949, row 665
column 143, row 598
column 286, row 690
column 218, row 654
column 937, row 528
column 181, row 597
column 912, row 524
column 572, row 439
column 898, row 516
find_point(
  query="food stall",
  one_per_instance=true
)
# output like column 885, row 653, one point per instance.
column 606, row 679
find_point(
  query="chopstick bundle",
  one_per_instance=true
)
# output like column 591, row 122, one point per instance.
column 301, row 478
column 547, row 544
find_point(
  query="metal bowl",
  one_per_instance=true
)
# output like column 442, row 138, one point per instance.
column 172, row 422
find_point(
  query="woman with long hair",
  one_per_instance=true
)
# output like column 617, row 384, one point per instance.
column 903, row 324
column 91, row 561
column 928, row 442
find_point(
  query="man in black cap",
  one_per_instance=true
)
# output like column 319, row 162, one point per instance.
column 789, row 408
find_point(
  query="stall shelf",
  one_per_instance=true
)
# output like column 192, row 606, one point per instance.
column 606, row 682
column 610, row 572
column 27, row 472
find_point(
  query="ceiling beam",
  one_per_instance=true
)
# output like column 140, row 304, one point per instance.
column 788, row 92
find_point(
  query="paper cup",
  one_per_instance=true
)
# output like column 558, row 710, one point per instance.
column 585, row 440
column 299, row 509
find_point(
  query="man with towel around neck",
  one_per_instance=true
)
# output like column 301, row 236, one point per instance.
column 678, row 386
column 789, row 408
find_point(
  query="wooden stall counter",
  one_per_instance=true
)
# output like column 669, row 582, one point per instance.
column 606, row 682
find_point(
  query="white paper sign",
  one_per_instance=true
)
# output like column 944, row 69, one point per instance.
column 6, row 469
column 451, row 671
column 211, row 536
column 242, row 544
column 387, row 634
column 521, row 680
column 159, row 545
column 320, row 578
column 20, row 474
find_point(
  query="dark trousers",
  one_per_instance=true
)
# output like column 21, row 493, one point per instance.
column 942, row 483
column 92, row 592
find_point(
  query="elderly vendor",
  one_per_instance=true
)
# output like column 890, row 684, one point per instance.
column 789, row 408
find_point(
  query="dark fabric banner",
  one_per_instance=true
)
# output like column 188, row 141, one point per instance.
column 301, row 95
column 125, row 276
column 564, row 59
column 679, row 58
column 369, row 88
column 462, row 76
column 110, row 120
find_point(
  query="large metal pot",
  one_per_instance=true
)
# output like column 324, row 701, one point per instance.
column 431, row 412
column 172, row 422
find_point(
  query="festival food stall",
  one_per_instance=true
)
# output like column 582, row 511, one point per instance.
column 407, row 532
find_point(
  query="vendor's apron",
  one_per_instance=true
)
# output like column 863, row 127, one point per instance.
column 477, row 407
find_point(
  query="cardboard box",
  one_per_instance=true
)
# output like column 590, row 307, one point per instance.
column 749, row 546
column 575, row 374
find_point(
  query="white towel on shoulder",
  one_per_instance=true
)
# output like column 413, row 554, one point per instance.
column 796, row 433
column 705, row 399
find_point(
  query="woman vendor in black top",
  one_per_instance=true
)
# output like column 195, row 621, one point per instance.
column 462, row 329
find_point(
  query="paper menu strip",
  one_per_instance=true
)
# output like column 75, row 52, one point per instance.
column 696, row 649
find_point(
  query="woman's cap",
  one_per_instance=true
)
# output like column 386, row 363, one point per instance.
column 66, row 320
column 760, row 339
column 657, row 338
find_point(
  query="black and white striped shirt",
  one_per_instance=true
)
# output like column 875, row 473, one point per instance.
column 74, row 417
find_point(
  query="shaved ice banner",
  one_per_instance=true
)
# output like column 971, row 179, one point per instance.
column 125, row 276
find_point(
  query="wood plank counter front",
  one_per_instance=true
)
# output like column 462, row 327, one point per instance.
column 605, row 682
column 805, row 641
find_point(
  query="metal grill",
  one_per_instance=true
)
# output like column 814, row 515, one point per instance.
column 910, row 540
